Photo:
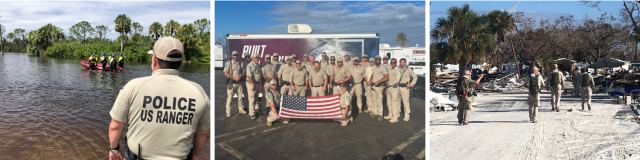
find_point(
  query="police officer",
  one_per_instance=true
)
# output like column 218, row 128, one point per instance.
column 340, row 75
column 276, row 61
column 299, row 77
column 392, row 92
column 103, row 61
column 273, row 101
column 464, row 89
column 347, row 60
column 534, row 83
column 385, row 95
column 345, row 103
column 408, row 78
column 379, row 75
column 283, row 77
column 576, row 79
column 365, row 62
column 367, row 87
column 317, row 80
column 324, row 63
column 308, row 66
column 556, row 83
column 329, row 69
column 357, row 74
column 234, row 70
column 254, row 74
column 121, row 61
column 246, row 62
column 145, row 107
column 268, row 73
column 586, row 86
column 293, row 58
column 92, row 61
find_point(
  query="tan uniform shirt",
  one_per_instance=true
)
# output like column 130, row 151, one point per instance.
column 378, row 72
column 347, row 63
column 341, row 73
column 284, row 72
column 237, row 68
column 273, row 96
column 364, row 66
column 407, row 73
column 345, row 100
column 163, row 112
column 368, row 73
column 308, row 66
column 324, row 65
column 269, row 69
column 254, row 71
column 561, row 79
column 317, row 77
column 394, row 76
column 299, row 76
column 357, row 74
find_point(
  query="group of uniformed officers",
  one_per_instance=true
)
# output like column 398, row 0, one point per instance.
column 308, row 77
column 582, row 82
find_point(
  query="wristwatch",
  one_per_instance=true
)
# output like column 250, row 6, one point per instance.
column 115, row 150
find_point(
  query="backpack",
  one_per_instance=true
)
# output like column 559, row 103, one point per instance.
column 534, row 85
column 555, row 79
column 586, row 81
column 462, row 87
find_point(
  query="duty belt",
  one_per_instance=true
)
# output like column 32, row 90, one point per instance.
column 402, row 85
column 318, row 86
column 286, row 83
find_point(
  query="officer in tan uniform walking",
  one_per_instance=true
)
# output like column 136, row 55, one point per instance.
column 408, row 79
column 283, row 77
column 317, row 80
column 463, row 92
column 144, row 107
column 299, row 77
column 273, row 102
column 345, row 104
column 254, row 74
column 576, row 79
column 555, row 80
column 340, row 75
column 367, row 87
column 392, row 92
column 235, row 70
column 268, row 74
column 379, row 76
column 534, row 83
column 357, row 75
column 586, row 86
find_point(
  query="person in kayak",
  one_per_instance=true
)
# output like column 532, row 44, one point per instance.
column 103, row 61
column 121, row 61
column 92, row 61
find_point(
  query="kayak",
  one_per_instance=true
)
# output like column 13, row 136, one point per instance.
column 98, row 66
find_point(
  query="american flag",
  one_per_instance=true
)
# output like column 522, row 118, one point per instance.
column 300, row 107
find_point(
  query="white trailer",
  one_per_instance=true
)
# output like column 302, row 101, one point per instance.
column 415, row 56
column 218, row 53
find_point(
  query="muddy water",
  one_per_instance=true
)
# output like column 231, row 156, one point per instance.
column 53, row 108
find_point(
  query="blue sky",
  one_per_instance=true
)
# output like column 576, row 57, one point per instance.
column 386, row 18
column 551, row 10
column 33, row 15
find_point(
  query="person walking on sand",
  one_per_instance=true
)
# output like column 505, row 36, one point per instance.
column 576, row 78
column 586, row 86
column 464, row 89
column 534, row 83
column 555, row 80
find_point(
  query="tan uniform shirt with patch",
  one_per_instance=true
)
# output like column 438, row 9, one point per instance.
column 163, row 112
column 284, row 72
column 299, row 76
column 254, row 71
column 269, row 69
column 394, row 76
column 341, row 73
column 378, row 72
column 357, row 74
column 407, row 73
column 345, row 100
column 317, row 77
column 273, row 97
column 238, row 68
column 308, row 66
column 324, row 65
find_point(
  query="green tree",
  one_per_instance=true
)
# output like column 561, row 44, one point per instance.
column 102, row 30
column 21, row 34
column 123, row 26
column 171, row 28
column 82, row 30
column 402, row 39
column 202, row 25
column 500, row 23
column 135, row 28
column 462, row 33
column 155, row 30
column 187, row 34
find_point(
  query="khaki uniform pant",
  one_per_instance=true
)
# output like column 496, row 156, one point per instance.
column 556, row 93
column 367, row 90
column 286, row 90
column 376, row 99
column 245, row 100
column 238, row 89
column 586, row 96
column 272, row 118
column 317, row 91
column 252, row 95
column 299, row 91
column 394, row 106
column 464, row 108
column 576, row 88
column 357, row 89
column 346, row 118
column 387, row 96
column 404, row 97
column 534, row 104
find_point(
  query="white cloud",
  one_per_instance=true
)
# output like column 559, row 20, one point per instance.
column 33, row 15
column 514, row 7
column 386, row 19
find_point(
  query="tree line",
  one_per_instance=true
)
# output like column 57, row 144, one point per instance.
column 501, row 37
column 83, row 39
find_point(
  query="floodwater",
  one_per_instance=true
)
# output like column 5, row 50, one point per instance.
column 52, row 108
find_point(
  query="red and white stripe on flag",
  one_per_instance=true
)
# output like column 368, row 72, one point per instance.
column 298, row 107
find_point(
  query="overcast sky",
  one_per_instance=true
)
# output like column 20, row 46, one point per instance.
column 33, row 15
column 386, row 18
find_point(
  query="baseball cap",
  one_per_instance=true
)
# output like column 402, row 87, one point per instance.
column 339, row 59
column 273, row 82
column 163, row 46
column 254, row 56
column 372, row 59
column 365, row 56
column 305, row 55
column 234, row 53
column 267, row 56
column 467, row 72
column 288, row 58
column 378, row 56
column 356, row 59
column 275, row 54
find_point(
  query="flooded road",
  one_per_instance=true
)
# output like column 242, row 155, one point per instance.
column 53, row 108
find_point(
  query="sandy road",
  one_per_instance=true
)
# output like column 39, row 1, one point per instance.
column 499, row 128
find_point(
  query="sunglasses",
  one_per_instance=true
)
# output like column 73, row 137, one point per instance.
column 298, row 63
column 377, row 58
column 333, row 59
column 393, row 62
column 356, row 61
column 234, row 55
column 267, row 58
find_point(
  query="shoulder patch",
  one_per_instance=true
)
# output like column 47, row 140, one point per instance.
column 348, row 98
column 225, row 65
column 269, row 95
column 400, row 73
column 386, row 69
column 249, row 67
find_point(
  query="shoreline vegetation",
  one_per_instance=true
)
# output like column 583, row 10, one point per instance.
column 82, row 40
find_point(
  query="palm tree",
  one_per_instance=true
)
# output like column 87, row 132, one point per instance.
column 171, row 28
column 500, row 23
column 155, row 30
column 462, row 33
column 135, row 28
column 187, row 34
column 402, row 39
column 123, row 25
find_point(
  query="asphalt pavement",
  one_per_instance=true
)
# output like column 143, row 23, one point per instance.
column 239, row 137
